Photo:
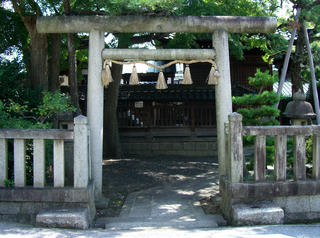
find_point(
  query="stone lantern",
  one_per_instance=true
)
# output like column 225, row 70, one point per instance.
column 299, row 110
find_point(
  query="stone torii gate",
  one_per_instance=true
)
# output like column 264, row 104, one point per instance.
column 219, row 26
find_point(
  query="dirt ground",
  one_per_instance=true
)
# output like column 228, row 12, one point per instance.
column 127, row 175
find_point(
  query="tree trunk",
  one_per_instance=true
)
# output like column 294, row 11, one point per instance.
column 72, row 63
column 297, row 62
column 73, row 81
column 111, row 137
column 111, row 145
column 39, row 57
column 54, row 62
column 38, row 46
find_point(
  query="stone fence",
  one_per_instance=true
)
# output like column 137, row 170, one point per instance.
column 299, row 197
column 25, row 202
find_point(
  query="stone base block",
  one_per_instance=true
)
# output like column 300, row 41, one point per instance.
column 24, row 204
column 76, row 218
column 258, row 213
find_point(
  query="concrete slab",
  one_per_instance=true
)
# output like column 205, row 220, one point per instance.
column 64, row 218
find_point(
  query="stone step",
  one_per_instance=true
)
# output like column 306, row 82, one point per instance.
column 64, row 217
column 120, row 223
column 257, row 213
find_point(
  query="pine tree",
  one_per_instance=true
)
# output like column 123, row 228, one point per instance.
column 258, row 109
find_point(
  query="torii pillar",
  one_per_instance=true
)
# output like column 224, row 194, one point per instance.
column 95, row 107
column 222, row 94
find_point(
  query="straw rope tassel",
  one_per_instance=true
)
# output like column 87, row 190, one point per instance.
column 187, row 76
column 161, row 83
column 106, row 76
column 134, row 79
column 213, row 77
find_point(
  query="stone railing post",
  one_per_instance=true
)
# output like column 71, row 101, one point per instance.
column 81, row 162
column 235, row 165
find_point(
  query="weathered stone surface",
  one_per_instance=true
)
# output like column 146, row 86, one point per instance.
column 135, row 24
column 315, row 203
column 3, row 161
column 58, row 163
column 270, row 189
column 38, row 163
column 299, row 153
column 297, row 204
column 64, row 218
column 81, row 156
column 95, row 107
column 302, row 217
column 280, row 157
column 235, row 166
column 257, row 214
column 10, row 208
column 316, row 157
column 259, row 158
column 222, row 94
column 280, row 201
column 27, row 194
column 158, row 54
column 36, row 134
column 19, row 162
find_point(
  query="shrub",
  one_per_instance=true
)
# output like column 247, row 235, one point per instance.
column 22, row 116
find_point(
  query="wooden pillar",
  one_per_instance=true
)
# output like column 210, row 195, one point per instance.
column 95, row 107
column 222, row 93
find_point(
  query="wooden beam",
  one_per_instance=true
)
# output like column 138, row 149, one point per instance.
column 158, row 54
column 131, row 24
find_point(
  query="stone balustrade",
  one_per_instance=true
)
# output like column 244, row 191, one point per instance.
column 280, row 134
column 38, row 137
column 298, row 195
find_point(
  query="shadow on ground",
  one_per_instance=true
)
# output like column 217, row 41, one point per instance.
column 124, row 176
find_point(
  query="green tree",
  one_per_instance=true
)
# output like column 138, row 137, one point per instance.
column 299, row 71
column 257, row 109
